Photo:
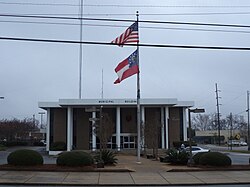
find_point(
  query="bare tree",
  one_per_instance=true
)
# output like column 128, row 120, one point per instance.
column 238, row 123
column 204, row 122
column 152, row 133
column 104, row 130
column 201, row 122
column 17, row 129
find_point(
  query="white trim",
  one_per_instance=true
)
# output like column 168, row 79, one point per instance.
column 162, row 129
column 114, row 102
column 118, row 128
column 48, row 130
column 184, row 104
column 93, row 132
column 184, row 124
column 46, row 105
column 69, row 128
column 166, row 123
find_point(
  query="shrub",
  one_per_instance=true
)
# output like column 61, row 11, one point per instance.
column 215, row 159
column 177, row 157
column 74, row 158
column 108, row 157
column 25, row 157
column 58, row 146
column 197, row 156
column 2, row 147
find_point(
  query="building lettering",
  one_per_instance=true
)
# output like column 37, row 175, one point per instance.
column 130, row 101
column 106, row 101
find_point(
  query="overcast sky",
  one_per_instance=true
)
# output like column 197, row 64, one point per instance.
column 31, row 71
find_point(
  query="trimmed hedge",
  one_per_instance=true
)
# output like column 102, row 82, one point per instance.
column 2, row 147
column 197, row 157
column 215, row 159
column 74, row 158
column 58, row 146
column 25, row 157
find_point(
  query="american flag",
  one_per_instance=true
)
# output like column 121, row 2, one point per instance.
column 129, row 36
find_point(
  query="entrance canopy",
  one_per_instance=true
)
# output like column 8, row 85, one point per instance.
column 115, row 102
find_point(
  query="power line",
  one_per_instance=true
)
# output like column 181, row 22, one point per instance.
column 234, row 99
column 241, row 112
column 126, row 6
column 145, row 14
column 170, row 14
column 39, row 4
column 142, row 45
column 170, row 6
column 124, row 20
column 123, row 26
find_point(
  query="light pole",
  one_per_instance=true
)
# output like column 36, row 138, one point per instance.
column 197, row 110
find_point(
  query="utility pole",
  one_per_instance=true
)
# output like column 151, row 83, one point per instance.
column 218, row 111
column 248, row 135
column 231, row 129
column 34, row 120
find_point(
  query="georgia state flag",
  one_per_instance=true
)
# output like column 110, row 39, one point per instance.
column 127, row 67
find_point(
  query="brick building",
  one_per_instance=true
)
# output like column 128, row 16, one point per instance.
column 69, row 120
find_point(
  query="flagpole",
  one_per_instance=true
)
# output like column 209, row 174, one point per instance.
column 138, row 100
column 80, row 51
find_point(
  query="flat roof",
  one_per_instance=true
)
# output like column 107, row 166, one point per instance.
column 116, row 102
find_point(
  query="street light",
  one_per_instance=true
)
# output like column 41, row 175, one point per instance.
column 1, row 97
column 196, row 110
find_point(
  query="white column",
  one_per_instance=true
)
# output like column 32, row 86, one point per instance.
column 166, row 123
column 118, row 128
column 48, row 130
column 184, row 124
column 69, row 129
column 143, row 127
column 162, row 129
column 93, row 132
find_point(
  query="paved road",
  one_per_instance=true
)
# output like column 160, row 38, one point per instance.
column 47, row 159
column 237, row 158
column 228, row 185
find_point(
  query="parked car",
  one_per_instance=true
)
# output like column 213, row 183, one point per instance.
column 43, row 142
column 196, row 149
column 234, row 142
column 243, row 143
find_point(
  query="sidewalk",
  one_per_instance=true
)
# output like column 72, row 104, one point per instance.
column 147, row 173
